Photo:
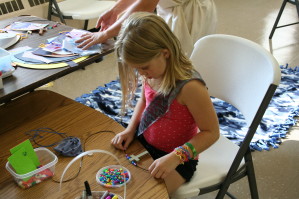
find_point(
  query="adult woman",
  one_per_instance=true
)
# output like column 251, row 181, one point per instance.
column 188, row 19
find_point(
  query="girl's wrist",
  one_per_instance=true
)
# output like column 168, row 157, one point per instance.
column 131, row 130
column 176, row 158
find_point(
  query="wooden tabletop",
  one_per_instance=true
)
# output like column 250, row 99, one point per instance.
column 51, row 110
column 26, row 80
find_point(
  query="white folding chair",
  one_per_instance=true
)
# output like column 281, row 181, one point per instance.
column 245, row 75
column 79, row 9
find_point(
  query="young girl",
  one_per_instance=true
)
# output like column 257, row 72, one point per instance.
column 174, row 118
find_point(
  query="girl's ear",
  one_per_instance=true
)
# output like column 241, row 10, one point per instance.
column 166, row 53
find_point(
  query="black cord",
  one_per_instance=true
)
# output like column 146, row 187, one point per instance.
column 36, row 133
column 124, row 150
column 81, row 160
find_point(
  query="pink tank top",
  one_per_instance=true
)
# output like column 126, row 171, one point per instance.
column 173, row 129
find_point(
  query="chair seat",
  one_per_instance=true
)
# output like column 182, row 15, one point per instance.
column 212, row 168
column 84, row 9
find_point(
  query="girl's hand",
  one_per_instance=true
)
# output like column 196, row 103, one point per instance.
column 163, row 166
column 122, row 140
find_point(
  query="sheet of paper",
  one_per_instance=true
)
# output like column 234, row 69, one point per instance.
column 25, row 26
column 21, row 162
column 29, row 54
column 29, row 151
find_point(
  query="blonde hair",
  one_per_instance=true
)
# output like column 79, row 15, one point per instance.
column 142, row 37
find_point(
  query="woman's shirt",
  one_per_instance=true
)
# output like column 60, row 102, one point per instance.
column 173, row 129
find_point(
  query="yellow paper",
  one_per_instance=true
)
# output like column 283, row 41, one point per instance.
column 49, row 66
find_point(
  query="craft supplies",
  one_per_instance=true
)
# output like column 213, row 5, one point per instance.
column 26, row 26
column 92, row 152
column 45, row 170
column 113, row 176
column 6, row 67
column 8, row 39
column 1, row 82
column 101, row 194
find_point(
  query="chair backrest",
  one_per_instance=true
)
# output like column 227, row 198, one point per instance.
column 85, row 9
column 229, row 65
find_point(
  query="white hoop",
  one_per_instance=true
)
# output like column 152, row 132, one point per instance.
column 87, row 153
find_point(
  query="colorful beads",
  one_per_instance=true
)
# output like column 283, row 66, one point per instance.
column 113, row 176
column 35, row 179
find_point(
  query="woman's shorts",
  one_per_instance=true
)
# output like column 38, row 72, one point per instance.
column 186, row 170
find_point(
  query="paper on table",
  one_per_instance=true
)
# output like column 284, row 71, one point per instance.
column 21, row 162
column 29, row 150
column 28, row 54
column 25, row 26
column 49, row 66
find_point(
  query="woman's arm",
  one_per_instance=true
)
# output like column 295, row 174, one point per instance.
column 123, row 139
column 112, row 31
column 109, row 17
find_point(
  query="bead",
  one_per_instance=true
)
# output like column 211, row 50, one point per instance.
column 113, row 176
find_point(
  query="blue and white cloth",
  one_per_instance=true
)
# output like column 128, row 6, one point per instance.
column 277, row 120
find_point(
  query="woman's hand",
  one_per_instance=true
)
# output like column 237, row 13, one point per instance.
column 90, row 39
column 106, row 20
column 122, row 140
column 163, row 166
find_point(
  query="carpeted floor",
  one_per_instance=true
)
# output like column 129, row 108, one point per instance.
column 279, row 117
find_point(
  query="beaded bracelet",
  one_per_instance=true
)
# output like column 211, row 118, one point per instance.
column 186, row 150
column 182, row 153
column 192, row 149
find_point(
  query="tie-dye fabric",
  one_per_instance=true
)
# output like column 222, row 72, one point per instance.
column 278, row 118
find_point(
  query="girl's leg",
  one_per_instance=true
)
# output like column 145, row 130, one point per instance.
column 173, row 181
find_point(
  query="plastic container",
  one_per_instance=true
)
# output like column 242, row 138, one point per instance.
column 99, row 194
column 5, row 63
column 113, row 176
column 47, row 158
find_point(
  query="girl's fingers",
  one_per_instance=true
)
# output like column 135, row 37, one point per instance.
column 117, row 142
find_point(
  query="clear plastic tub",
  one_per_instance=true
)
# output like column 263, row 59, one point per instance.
column 47, row 159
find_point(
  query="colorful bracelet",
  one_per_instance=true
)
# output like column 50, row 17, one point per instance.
column 186, row 150
column 182, row 153
column 192, row 149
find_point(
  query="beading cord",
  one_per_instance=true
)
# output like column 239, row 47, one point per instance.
column 132, row 162
column 81, row 160
column 87, row 153
column 36, row 133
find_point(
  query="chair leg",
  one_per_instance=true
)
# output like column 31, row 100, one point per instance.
column 56, row 7
column 231, row 195
column 50, row 10
column 297, row 6
column 251, row 175
column 223, row 191
column 85, row 24
column 278, row 18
